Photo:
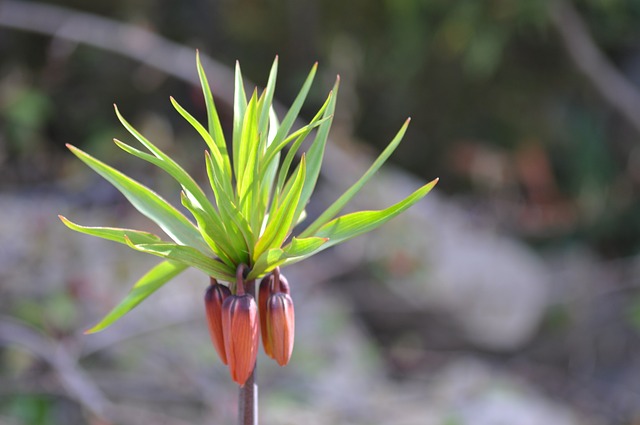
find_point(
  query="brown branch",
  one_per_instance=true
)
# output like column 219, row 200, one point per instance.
column 76, row 382
column 621, row 94
column 127, row 40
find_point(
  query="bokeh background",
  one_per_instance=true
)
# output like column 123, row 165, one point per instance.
column 508, row 296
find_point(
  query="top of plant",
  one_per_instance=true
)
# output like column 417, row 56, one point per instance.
column 257, row 200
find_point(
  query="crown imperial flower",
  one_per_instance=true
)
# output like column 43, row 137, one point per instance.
column 280, row 320
column 240, row 327
column 214, row 297
column 260, row 195
column 267, row 288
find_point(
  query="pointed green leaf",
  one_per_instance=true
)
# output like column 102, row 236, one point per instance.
column 239, row 108
column 268, row 98
column 210, row 231
column 280, row 223
column 296, row 106
column 189, row 256
column 316, row 154
column 354, row 224
column 248, row 153
column 298, row 249
column 298, row 135
column 209, row 214
column 266, row 262
column 215, row 128
column 149, row 203
column 112, row 233
column 148, row 284
column 339, row 204
column 222, row 171
column 235, row 223
column 286, row 164
column 304, row 246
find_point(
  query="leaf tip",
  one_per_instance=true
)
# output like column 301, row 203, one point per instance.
column 90, row 331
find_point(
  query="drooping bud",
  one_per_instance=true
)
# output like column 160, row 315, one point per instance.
column 213, row 299
column 280, row 326
column 240, row 325
column 267, row 287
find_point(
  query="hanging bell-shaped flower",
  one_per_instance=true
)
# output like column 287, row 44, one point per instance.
column 280, row 327
column 277, row 318
column 267, row 287
column 240, row 324
column 213, row 300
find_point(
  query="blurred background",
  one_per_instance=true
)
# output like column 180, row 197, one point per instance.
column 508, row 296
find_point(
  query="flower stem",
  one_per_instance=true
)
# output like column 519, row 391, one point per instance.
column 248, row 396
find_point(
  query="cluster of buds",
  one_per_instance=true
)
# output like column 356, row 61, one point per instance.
column 234, row 322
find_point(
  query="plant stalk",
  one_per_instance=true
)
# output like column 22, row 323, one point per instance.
column 248, row 396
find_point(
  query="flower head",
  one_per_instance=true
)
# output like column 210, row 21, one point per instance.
column 259, row 201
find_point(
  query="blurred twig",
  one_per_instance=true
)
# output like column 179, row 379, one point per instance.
column 613, row 86
column 77, row 384
column 74, row 380
column 127, row 40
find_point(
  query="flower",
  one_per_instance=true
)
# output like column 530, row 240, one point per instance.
column 240, row 328
column 266, row 289
column 214, row 297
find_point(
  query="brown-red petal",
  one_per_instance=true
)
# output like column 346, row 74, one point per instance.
column 281, row 326
column 240, row 325
column 213, row 299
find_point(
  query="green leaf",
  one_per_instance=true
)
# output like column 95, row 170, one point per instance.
column 238, row 228
column 279, row 223
column 223, row 172
column 299, row 136
column 210, row 230
column 239, row 108
column 316, row 154
column 149, row 203
column 148, row 284
column 268, row 98
column 113, row 233
column 266, row 262
column 296, row 106
column 298, row 249
column 286, row 164
column 215, row 128
column 355, row 224
column 216, row 227
column 339, row 204
column 248, row 153
column 189, row 256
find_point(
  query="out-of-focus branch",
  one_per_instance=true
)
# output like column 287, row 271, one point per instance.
column 77, row 384
column 127, row 40
column 613, row 86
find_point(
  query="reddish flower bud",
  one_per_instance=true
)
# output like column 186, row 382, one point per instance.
column 240, row 324
column 213, row 299
column 280, row 326
column 267, row 287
